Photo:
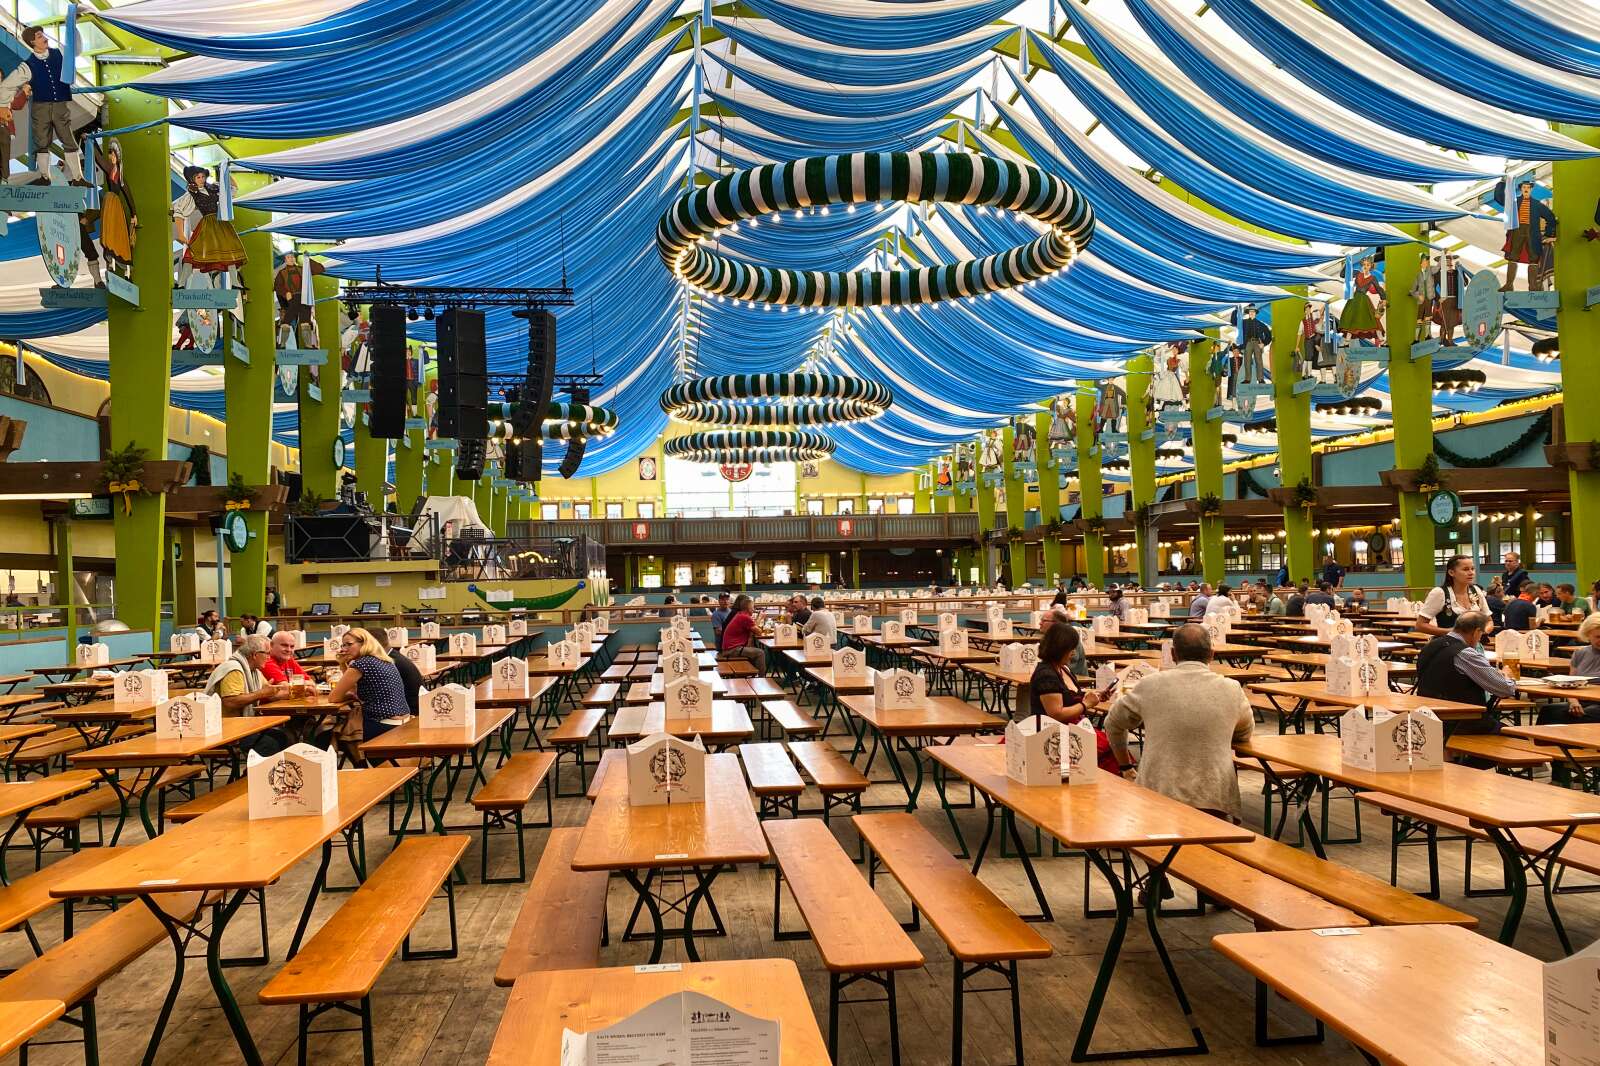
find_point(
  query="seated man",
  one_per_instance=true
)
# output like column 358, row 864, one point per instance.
column 410, row 676
column 237, row 679
column 799, row 610
column 1198, row 605
column 253, row 625
column 1191, row 718
column 1323, row 595
column 1453, row 667
column 281, row 665
column 1569, row 603
column 1295, row 606
column 1520, row 612
column 819, row 620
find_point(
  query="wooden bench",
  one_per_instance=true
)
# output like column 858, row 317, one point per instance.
column 618, row 671
column 561, row 924
column 208, row 802
column 343, row 961
column 856, row 936
column 1373, row 899
column 27, row 897
column 609, row 759
column 982, row 933
column 737, row 668
column 839, row 782
column 773, row 779
column 66, row 978
column 1504, row 753
column 603, row 696
column 502, row 799
column 1271, row 783
column 62, row 821
column 788, row 718
column 572, row 738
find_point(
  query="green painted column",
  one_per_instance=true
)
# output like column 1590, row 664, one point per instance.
column 1411, row 397
column 1049, row 496
column 66, row 588
column 922, row 500
column 501, row 505
column 441, row 476
column 1142, row 461
column 185, row 591
column 319, row 403
column 1207, row 456
column 1577, row 190
column 1091, row 500
column 1294, row 434
column 249, row 392
column 855, row 568
column 961, row 503
column 141, row 342
column 483, row 496
column 986, row 514
column 371, row 460
column 1016, row 498
column 408, row 459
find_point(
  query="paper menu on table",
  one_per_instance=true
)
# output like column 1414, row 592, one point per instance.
column 1572, row 1009
column 681, row 1029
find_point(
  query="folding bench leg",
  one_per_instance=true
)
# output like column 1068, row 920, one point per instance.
column 1263, row 1040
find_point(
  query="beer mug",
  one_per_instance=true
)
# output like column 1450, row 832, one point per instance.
column 1513, row 667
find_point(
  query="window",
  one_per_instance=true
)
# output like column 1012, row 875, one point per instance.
column 875, row 505
column 906, row 505
column 846, row 505
column 613, row 510
column 682, row 574
column 549, row 511
column 581, row 511
column 715, row 575
column 1271, row 554
column 649, row 581
column 813, row 507
column 1507, row 540
column 647, row 510
column 1544, row 544
column 1397, row 552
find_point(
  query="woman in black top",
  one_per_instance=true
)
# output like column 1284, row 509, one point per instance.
column 1052, row 691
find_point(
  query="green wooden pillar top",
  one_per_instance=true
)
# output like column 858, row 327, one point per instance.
column 1049, row 496
column 319, row 400
column 1411, row 402
column 1091, row 499
column 1141, row 460
column 1577, row 190
column 140, row 339
column 1294, row 433
column 1207, row 455
column 922, row 499
column 249, row 391
column 371, row 460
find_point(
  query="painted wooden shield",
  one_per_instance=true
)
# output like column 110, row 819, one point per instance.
column 202, row 320
column 58, row 244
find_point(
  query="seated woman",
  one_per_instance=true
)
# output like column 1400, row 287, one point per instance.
column 1054, row 693
column 739, row 635
column 1585, row 663
column 370, row 677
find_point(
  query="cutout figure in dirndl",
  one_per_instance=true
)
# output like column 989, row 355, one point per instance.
column 211, row 245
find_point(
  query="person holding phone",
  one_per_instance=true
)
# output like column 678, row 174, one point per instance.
column 1054, row 693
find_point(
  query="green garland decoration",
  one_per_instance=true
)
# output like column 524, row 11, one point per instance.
column 562, row 421
column 1210, row 505
column 873, row 177
column 1248, row 484
column 1538, row 431
column 1304, row 494
column 801, row 399
column 751, row 446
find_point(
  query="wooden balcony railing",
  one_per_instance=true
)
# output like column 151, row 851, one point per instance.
column 796, row 530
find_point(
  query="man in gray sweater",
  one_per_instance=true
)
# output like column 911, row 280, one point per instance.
column 1192, row 718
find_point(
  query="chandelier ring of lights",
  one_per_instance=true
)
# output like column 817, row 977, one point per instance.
column 562, row 421
column 873, row 177
column 750, row 446
column 799, row 399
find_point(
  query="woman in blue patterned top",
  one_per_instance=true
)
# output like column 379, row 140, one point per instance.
column 374, row 680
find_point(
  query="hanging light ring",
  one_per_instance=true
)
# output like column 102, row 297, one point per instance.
column 800, row 399
column 751, row 446
column 873, row 177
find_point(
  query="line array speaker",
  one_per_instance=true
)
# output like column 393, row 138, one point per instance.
column 463, row 375
column 387, row 413
column 469, row 459
column 574, row 456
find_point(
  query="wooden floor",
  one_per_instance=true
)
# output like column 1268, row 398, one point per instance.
column 447, row 1011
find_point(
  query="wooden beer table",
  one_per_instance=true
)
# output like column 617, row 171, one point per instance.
column 1578, row 742
column 1496, row 803
column 1305, row 693
column 542, row 1005
column 1410, row 995
column 703, row 838
column 941, row 718
column 728, row 722
column 1109, row 816
column 18, row 799
column 153, row 753
column 226, row 850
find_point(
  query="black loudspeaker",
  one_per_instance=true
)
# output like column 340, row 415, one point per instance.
column 463, row 375
column 538, row 385
column 574, row 456
column 386, row 415
column 469, row 460
column 522, row 461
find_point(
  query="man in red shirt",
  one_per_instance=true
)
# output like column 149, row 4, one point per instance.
column 281, row 665
column 738, row 635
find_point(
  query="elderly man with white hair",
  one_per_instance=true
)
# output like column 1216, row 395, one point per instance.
column 238, row 678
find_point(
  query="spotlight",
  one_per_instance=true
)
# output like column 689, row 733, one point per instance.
column 427, row 313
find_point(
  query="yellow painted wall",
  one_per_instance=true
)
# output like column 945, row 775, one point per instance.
column 833, row 482
column 303, row 585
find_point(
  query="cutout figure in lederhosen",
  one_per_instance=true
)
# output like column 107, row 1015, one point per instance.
column 296, row 320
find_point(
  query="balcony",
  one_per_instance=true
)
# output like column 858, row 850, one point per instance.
column 766, row 532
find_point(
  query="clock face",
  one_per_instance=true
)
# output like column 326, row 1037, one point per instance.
column 1442, row 507
column 235, row 534
column 338, row 452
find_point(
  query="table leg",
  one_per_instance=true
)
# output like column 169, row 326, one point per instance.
column 916, row 786
column 172, row 927
column 144, row 801
column 1516, row 881
column 1044, row 914
column 702, row 891
column 658, row 929
column 311, row 899
column 949, row 811
column 1123, row 892
column 219, row 979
